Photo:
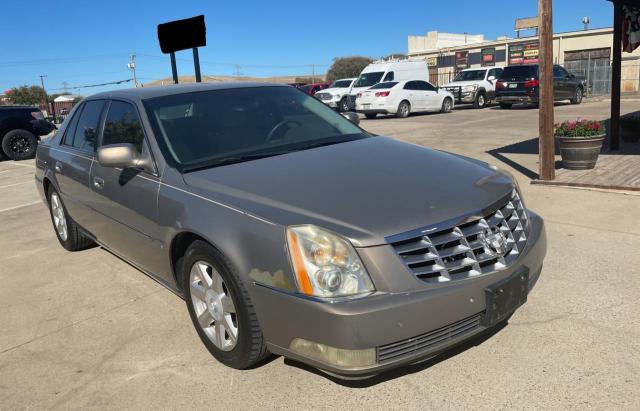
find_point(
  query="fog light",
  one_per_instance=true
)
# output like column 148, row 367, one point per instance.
column 334, row 356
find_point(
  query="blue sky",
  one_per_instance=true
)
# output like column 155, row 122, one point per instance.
column 88, row 42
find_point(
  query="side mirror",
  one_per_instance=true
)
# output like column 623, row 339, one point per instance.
column 122, row 156
column 352, row 117
column 491, row 78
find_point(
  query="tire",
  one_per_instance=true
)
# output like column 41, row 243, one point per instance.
column 577, row 99
column 447, row 105
column 19, row 144
column 65, row 228
column 370, row 116
column 506, row 106
column 224, row 297
column 404, row 109
column 480, row 101
column 343, row 106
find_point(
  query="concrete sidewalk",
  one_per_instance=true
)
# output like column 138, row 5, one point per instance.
column 86, row 330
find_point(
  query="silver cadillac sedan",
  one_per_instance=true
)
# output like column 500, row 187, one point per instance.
column 290, row 230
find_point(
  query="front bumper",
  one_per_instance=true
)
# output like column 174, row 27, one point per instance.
column 386, row 318
column 463, row 97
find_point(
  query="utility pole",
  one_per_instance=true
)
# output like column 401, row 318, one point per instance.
column 65, row 87
column 546, row 139
column 236, row 70
column 313, row 73
column 44, row 91
column 132, row 66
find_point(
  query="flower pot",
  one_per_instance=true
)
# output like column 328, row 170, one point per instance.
column 630, row 130
column 580, row 153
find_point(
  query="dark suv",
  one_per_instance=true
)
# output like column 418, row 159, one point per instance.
column 20, row 130
column 521, row 84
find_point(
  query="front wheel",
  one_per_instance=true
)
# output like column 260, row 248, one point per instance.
column 220, row 308
column 481, row 101
column 577, row 99
column 447, row 105
column 343, row 106
column 19, row 144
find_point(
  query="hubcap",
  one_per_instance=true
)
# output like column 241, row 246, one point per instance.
column 405, row 109
column 20, row 145
column 213, row 306
column 481, row 101
column 59, row 219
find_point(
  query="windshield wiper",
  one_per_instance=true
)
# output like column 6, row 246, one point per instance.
column 232, row 160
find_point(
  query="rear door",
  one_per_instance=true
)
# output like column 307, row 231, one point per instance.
column 73, row 158
column 126, row 199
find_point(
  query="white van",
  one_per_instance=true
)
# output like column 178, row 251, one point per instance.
column 388, row 70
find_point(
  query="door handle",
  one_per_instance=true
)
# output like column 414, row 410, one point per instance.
column 58, row 167
column 98, row 182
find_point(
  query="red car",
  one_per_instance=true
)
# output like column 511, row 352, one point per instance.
column 313, row 88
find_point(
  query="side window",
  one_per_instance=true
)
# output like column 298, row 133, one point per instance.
column 67, row 140
column 563, row 72
column 410, row 85
column 427, row 86
column 493, row 73
column 558, row 72
column 388, row 77
column 122, row 126
column 86, row 132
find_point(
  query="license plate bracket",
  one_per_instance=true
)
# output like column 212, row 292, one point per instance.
column 505, row 297
column 513, row 85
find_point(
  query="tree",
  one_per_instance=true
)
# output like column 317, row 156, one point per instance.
column 346, row 67
column 27, row 95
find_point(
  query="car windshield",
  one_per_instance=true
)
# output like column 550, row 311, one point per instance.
column 218, row 127
column 369, row 79
column 470, row 75
column 386, row 84
column 341, row 84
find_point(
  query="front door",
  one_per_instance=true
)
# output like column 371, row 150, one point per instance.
column 431, row 96
column 126, row 199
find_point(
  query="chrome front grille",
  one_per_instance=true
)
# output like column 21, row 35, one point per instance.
column 323, row 96
column 474, row 248
column 429, row 341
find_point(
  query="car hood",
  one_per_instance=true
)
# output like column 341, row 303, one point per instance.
column 462, row 83
column 365, row 190
column 335, row 90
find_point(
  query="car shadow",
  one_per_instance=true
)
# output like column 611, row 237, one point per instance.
column 403, row 370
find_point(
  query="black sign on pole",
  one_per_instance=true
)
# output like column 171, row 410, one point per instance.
column 182, row 35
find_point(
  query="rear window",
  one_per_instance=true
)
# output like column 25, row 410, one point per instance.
column 512, row 72
column 387, row 84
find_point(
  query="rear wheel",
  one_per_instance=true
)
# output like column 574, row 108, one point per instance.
column 481, row 101
column 220, row 308
column 19, row 144
column 370, row 116
column 577, row 98
column 506, row 106
column 404, row 109
column 447, row 105
column 66, row 229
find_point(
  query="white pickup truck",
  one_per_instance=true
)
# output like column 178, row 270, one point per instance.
column 336, row 96
column 475, row 86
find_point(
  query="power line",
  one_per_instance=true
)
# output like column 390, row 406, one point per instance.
column 220, row 63
column 61, row 60
column 95, row 85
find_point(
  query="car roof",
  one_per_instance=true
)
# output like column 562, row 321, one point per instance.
column 144, row 93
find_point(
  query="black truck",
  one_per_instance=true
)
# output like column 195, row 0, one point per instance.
column 521, row 84
column 20, row 131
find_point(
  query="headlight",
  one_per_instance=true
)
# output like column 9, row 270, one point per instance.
column 469, row 88
column 325, row 264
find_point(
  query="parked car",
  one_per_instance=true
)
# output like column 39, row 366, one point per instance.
column 20, row 131
column 475, row 86
column 521, row 84
column 287, row 228
column 403, row 98
column 335, row 96
column 383, row 71
column 313, row 88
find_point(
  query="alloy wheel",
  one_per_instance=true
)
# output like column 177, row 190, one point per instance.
column 213, row 305
column 405, row 110
column 59, row 219
column 481, row 101
column 20, row 145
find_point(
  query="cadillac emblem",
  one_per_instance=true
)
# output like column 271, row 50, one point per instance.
column 495, row 243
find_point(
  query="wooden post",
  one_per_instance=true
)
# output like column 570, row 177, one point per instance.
column 546, row 140
column 616, row 77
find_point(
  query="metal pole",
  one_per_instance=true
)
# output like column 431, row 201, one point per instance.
column 546, row 140
column 174, row 70
column 196, row 64
column 616, row 77
column 42, row 76
column 132, row 67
